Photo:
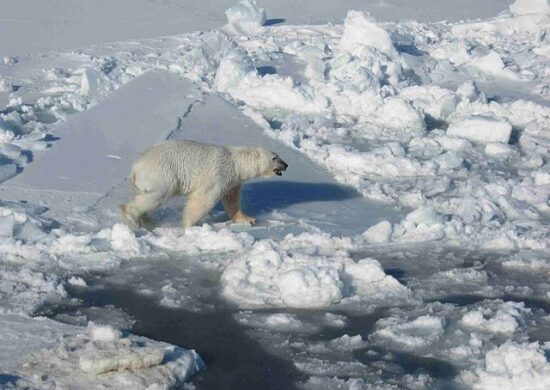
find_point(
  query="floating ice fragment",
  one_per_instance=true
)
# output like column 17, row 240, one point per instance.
column 8, row 60
column 435, row 101
column 335, row 320
column 233, row 68
column 124, row 240
column 379, row 233
column 425, row 215
column 310, row 287
column 199, row 239
column 498, row 150
column 512, row 366
column 419, row 333
column 76, row 281
column 7, row 223
column 246, row 17
column 397, row 113
column 348, row 343
column 482, row 129
column 503, row 319
column 103, row 333
column 5, row 85
column 361, row 31
column 89, row 83
column 469, row 92
column 491, row 63
column 270, row 276
column 6, row 136
column 96, row 363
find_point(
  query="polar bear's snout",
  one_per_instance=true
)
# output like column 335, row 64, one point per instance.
column 280, row 166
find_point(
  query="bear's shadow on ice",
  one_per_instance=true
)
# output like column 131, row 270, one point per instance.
column 263, row 197
column 266, row 196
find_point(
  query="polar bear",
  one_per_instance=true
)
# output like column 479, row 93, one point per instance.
column 205, row 173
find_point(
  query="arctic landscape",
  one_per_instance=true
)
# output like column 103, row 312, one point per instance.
column 405, row 247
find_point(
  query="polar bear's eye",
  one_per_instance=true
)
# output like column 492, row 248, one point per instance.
column 274, row 158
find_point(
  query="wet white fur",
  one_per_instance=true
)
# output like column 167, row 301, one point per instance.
column 205, row 173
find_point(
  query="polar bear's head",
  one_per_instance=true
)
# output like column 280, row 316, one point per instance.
column 254, row 162
column 270, row 163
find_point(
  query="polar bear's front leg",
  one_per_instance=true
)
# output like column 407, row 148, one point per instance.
column 198, row 204
column 232, row 205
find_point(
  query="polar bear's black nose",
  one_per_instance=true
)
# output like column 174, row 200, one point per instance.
column 281, row 166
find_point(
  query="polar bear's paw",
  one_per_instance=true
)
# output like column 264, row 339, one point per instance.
column 241, row 217
column 146, row 222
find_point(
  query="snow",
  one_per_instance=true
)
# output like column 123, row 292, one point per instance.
column 305, row 276
column 199, row 239
column 70, row 25
column 481, row 129
column 492, row 63
column 512, row 366
column 246, row 16
column 76, row 281
column 103, row 333
column 419, row 333
column 498, row 150
column 526, row 7
column 68, row 356
column 503, row 321
column 281, row 322
column 379, row 233
column 361, row 32
column 410, row 231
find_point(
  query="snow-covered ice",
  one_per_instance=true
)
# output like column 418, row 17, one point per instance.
column 246, row 17
column 481, row 129
column 407, row 246
column 512, row 366
column 304, row 276
column 42, row 353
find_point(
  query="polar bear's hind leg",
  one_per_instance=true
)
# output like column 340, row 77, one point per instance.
column 128, row 218
column 135, row 211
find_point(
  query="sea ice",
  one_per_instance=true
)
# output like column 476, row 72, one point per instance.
column 246, row 17
column 379, row 233
column 375, row 105
column 504, row 320
column 418, row 333
column 103, row 332
column 269, row 276
column 525, row 7
column 492, row 63
column 481, row 129
column 199, row 239
column 42, row 353
column 361, row 31
column 511, row 366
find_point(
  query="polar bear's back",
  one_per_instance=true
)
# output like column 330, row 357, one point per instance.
column 179, row 166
